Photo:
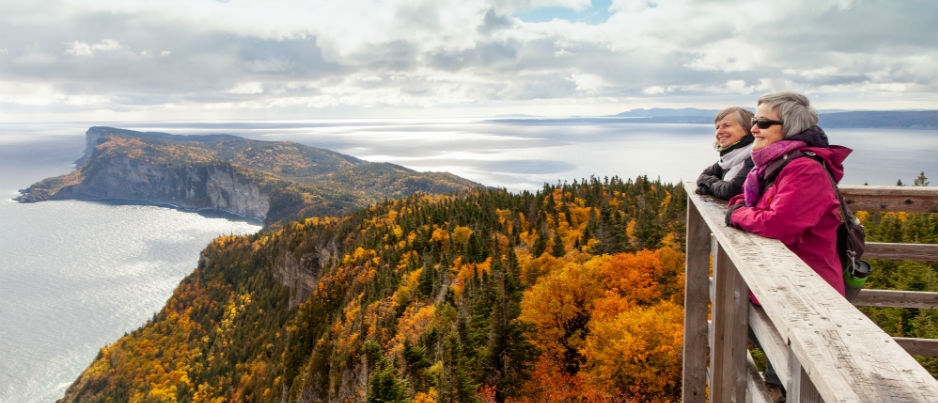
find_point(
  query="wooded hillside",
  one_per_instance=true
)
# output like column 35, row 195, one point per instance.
column 570, row 294
column 488, row 296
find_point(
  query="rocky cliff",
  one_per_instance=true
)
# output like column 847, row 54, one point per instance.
column 269, row 181
column 218, row 187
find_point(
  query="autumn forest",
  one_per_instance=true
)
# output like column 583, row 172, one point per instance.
column 570, row 294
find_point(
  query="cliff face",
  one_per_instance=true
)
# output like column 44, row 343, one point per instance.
column 219, row 187
column 300, row 276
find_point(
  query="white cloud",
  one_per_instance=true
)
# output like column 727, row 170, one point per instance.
column 33, row 56
column 655, row 90
column 588, row 83
column 726, row 55
column 77, row 48
column 248, row 88
column 43, row 94
column 296, row 58
column 813, row 74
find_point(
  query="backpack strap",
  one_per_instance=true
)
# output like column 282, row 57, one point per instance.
column 850, row 244
column 774, row 167
column 851, row 237
column 845, row 214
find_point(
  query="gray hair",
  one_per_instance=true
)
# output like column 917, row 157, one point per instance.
column 743, row 116
column 793, row 109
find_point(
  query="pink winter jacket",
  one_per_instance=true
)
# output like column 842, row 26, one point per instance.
column 801, row 210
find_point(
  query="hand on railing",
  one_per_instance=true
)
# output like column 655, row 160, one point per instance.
column 729, row 214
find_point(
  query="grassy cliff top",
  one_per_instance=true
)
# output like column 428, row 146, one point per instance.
column 285, row 159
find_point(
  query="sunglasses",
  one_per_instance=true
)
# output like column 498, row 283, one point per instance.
column 764, row 123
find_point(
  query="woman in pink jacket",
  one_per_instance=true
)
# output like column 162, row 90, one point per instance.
column 797, row 204
column 799, row 207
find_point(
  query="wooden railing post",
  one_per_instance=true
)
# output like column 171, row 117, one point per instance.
column 730, row 324
column 696, row 298
column 800, row 389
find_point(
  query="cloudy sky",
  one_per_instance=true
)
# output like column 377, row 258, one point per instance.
column 200, row 60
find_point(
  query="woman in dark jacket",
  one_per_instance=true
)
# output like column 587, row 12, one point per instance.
column 725, row 178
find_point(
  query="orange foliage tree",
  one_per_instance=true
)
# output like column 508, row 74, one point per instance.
column 608, row 328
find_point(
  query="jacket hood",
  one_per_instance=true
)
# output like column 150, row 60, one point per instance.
column 833, row 157
column 814, row 136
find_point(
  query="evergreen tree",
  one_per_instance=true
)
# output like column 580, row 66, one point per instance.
column 921, row 180
column 384, row 386
column 557, row 249
column 509, row 350
column 540, row 244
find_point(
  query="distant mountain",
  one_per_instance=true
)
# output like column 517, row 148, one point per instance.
column 907, row 119
column 881, row 119
column 270, row 181
column 667, row 112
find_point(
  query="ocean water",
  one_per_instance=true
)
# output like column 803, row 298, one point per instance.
column 523, row 154
column 75, row 276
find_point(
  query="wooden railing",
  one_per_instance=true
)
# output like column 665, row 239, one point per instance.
column 821, row 346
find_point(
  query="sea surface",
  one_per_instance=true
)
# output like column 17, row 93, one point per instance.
column 75, row 276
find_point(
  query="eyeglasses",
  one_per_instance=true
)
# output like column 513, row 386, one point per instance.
column 764, row 123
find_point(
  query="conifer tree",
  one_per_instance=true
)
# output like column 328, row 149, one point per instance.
column 557, row 248
column 384, row 386
column 921, row 180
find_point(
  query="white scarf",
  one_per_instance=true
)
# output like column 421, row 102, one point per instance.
column 733, row 161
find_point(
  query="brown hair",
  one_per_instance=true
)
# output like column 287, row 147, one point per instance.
column 743, row 116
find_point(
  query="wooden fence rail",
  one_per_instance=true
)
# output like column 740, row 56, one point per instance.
column 822, row 347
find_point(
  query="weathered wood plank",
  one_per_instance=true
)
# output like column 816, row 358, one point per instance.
column 926, row 347
column 915, row 199
column 696, row 300
column 828, row 336
column 901, row 251
column 897, row 299
column 776, row 350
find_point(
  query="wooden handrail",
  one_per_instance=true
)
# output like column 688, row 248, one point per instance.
column 823, row 348
column 901, row 251
column 913, row 199
column 897, row 299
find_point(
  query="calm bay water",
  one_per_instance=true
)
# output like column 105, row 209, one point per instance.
column 75, row 276
column 523, row 154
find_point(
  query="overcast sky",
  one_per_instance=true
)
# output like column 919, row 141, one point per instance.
column 199, row 60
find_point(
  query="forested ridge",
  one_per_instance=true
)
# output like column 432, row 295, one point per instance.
column 572, row 291
column 570, row 294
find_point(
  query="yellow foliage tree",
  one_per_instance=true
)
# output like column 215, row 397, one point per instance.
column 559, row 306
column 637, row 352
